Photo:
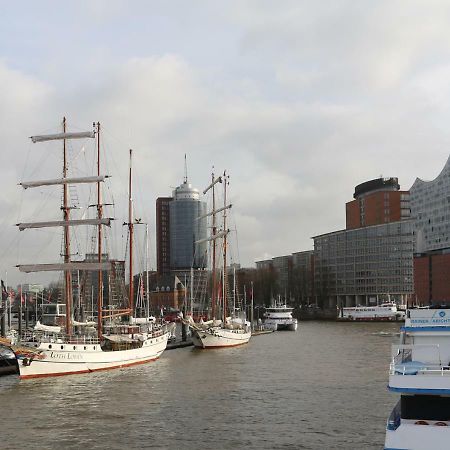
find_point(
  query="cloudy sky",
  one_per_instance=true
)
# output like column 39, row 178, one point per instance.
column 298, row 100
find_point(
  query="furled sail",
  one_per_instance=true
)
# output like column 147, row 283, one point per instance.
column 59, row 136
column 215, row 211
column 77, row 180
column 75, row 265
column 49, row 328
column 84, row 324
column 214, row 237
column 64, row 223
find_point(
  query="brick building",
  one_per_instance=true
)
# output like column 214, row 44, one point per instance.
column 376, row 202
column 163, row 235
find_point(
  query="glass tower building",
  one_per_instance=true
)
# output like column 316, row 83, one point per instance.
column 186, row 228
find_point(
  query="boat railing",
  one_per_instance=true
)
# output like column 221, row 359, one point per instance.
column 58, row 338
column 423, row 358
column 394, row 419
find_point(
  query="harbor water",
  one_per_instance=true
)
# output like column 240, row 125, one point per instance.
column 322, row 387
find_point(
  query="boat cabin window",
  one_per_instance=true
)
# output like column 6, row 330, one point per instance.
column 54, row 309
column 425, row 407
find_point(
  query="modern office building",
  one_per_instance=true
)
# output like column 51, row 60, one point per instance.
column 364, row 266
column 302, row 276
column 282, row 265
column 370, row 261
column 186, row 228
column 293, row 275
column 430, row 211
column 179, row 227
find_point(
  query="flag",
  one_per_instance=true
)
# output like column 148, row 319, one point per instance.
column 4, row 291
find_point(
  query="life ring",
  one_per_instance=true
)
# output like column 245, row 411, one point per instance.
column 441, row 424
column 421, row 422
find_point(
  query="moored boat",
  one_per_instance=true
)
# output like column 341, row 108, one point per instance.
column 279, row 317
column 223, row 329
column 420, row 373
column 380, row 313
column 73, row 348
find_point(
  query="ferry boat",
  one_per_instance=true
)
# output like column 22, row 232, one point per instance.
column 420, row 373
column 279, row 317
column 385, row 311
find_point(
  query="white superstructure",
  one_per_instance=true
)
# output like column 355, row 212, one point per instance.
column 385, row 311
column 420, row 373
column 279, row 317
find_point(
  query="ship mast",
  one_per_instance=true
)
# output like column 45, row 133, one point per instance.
column 66, row 215
column 131, row 229
column 214, row 293
column 99, row 243
column 224, row 272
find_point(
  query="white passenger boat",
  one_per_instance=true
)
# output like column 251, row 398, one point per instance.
column 279, row 317
column 385, row 311
column 420, row 373
column 68, row 350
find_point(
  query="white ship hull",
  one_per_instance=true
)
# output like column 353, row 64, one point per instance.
column 410, row 435
column 420, row 373
column 57, row 359
column 375, row 313
column 278, row 325
column 219, row 337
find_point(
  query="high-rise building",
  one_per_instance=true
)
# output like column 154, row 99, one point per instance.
column 179, row 225
column 187, row 225
column 376, row 202
column 163, row 235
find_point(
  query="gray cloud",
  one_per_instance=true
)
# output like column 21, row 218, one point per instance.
column 300, row 102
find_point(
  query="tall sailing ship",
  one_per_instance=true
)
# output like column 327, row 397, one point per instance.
column 223, row 329
column 72, row 349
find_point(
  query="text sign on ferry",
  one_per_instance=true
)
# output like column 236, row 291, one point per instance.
column 430, row 317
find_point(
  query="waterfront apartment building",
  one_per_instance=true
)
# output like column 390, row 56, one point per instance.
column 430, row 211
column 179, row 227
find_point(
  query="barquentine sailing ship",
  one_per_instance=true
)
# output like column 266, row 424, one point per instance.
column 114, row 345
